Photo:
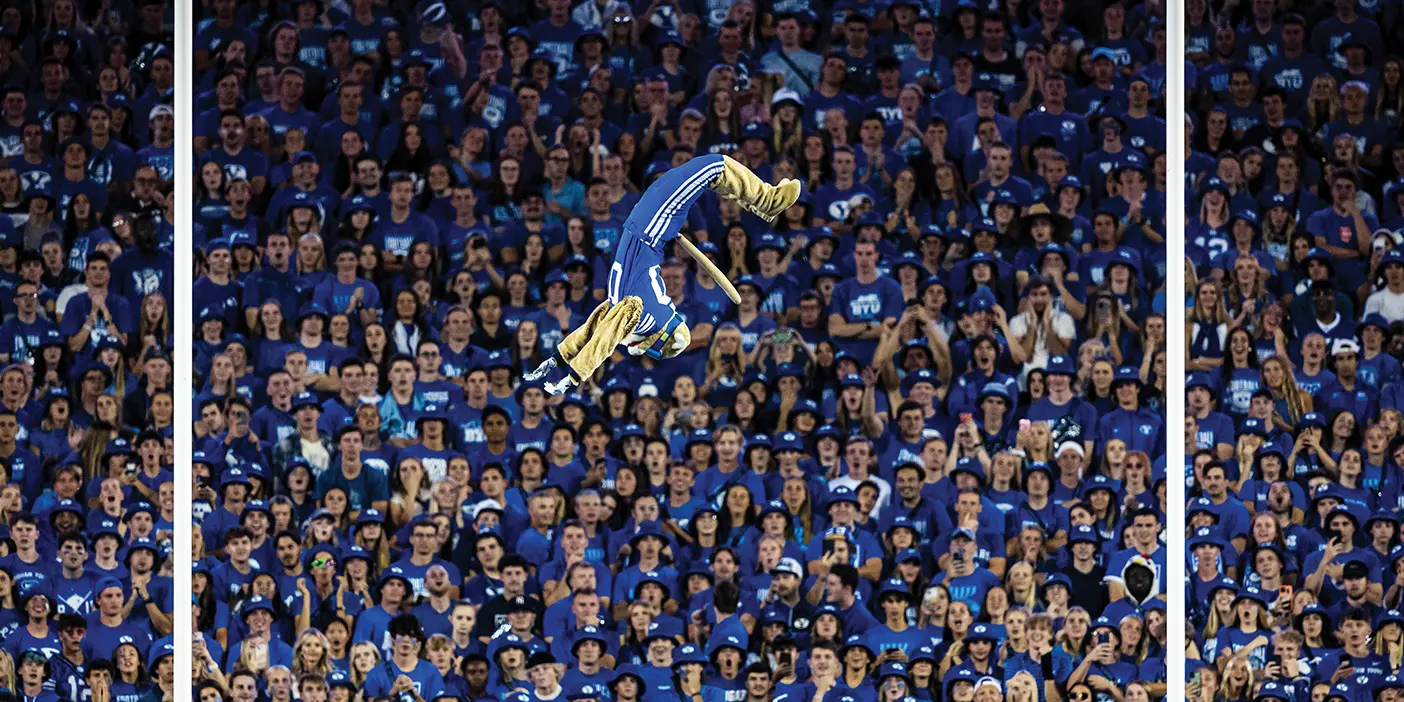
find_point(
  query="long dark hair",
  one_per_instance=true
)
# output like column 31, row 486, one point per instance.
column 343, row 167
column 415, row 163
column 72, row 228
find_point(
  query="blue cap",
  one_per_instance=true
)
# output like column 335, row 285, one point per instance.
column 981, row 632
column 789, row 441
column 893, row 669
column 756, row 130
column 699, row 436
column 769, row 240
column 254, row 604
column 304, row 399
column 1060, row 365
column 1253, row 426
column 921, row 375
column 1202, row 505
column 1085, row 534
column 1205, row 536
column 994, row 389
column 841, row 494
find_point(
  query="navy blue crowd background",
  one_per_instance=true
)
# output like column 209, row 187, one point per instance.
column 1294, row 329
column 86, row 404
column 923, row 457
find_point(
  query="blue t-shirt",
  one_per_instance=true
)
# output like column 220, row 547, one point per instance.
column 871, row 302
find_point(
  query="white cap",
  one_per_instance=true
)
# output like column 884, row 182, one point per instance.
column 486, row 505
column 788, row 565
column 988, row 681
column 784, row 94
column 1345, row 345
column 1073, row 446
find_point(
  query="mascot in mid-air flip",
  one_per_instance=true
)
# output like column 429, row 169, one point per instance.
column 636, row 312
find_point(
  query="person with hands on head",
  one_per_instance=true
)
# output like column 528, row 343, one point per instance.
column 1041, row 330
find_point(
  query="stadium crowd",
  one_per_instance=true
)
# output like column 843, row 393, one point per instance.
column 86, row 403
column 922, row 458
column 1295, row 326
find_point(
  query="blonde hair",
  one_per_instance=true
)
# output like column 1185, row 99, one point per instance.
column 1395, row 652
column 7, row 670
column 1216, row 316
column 323, row 666
column 1212, row 624
column 248, row 660
column 358, row 677
column 438, row 642
column 1333, row 102
column 1298, row 402
column 714, row 354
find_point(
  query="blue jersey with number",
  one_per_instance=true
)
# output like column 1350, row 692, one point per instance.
column 654, row 221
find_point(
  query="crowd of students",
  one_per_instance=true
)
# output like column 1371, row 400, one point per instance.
column 87, row 499
column 1296, row 279
column 922, row 458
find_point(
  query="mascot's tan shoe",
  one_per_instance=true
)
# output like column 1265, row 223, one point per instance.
column 766, row 201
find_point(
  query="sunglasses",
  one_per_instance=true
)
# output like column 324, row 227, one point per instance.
column 322, row 561
column 1080, row 696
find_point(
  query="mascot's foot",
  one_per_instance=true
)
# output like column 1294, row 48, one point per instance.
column 540, row 372
column 753, row 194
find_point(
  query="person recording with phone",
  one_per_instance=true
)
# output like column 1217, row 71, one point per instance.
column 1103, row 669
column 1326, row 568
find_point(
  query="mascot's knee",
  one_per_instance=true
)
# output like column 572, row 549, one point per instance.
column 628, row 312
column 632, row 304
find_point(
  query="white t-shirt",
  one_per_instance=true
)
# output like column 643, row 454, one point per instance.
column 884, row 491
column 1389, row 304
column 1063, row 325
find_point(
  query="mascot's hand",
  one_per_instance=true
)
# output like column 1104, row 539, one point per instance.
column 678, row 342
column 561, row 386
